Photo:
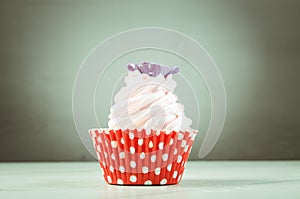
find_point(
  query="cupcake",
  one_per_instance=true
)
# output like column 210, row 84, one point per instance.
column 148, row 139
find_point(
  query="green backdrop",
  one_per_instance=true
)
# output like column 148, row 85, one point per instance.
column 256, row 45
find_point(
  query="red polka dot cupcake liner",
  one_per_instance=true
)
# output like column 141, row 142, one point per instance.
column 140, row 157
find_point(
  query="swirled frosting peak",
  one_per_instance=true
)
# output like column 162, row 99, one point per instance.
column 147, row 101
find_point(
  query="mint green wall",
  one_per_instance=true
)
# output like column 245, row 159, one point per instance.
column 256, row 45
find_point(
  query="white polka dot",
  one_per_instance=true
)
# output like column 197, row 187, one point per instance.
column 175, row 151
column 165, row 157
column 142, row 155
column 163, row 181
column 114, row 144
column 113, row 156
column 103, row 164
column 161, row 145
column 119, row 181
column 168, row 132
column 148, row 131
column 106, row 144
column 132, row 164
column 122, row 155
column 183, row 143
column 92, row 133
column 169, row 167
column 111, row 169
column 105, row 154
column 193, row 136
column 121, row 169
column 184, row 164
column 157, row 133
column 132, row 150
column 122, row 140
column 98, row 155
column 150, row 144
column 179, row 177
column 131, row 136
column 171, row 141
column 180, row 136
column 99, row 139
column 186, row 148
column 148, row 182
column 145, row 170
column 157, row 171
column 175, row 174
column 132, row 178
column 153, row 158
column 98, row 148
column 109, row 179
column 140, row 142
column 102, row 171
column 179, row 158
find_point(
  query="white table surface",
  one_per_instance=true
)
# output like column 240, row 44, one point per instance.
column 214, row 179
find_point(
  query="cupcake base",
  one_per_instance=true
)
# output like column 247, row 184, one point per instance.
column 138, row 157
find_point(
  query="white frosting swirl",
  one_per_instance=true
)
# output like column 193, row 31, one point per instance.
column 148, row 102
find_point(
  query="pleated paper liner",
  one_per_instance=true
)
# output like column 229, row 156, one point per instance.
column 138, row 157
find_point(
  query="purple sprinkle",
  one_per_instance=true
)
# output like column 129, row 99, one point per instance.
column 171, row 71
column 144, row 67
column 153, row 69
column 175, row 70
column 131, row 67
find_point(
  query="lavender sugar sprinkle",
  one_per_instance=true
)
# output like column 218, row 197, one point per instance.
column 153, row 69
